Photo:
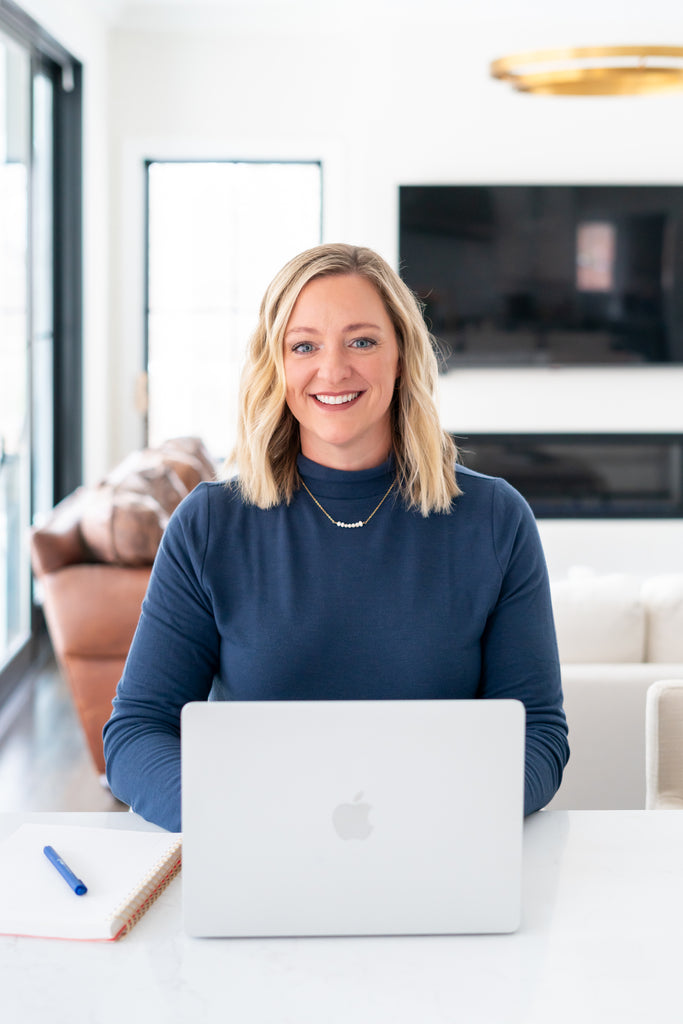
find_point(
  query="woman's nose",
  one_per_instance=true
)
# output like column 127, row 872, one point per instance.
column 335, row 365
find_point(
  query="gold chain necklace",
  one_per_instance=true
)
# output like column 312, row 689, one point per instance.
column 350, row 526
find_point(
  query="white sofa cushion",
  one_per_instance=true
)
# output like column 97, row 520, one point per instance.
column 599, row 619
column 663, row 599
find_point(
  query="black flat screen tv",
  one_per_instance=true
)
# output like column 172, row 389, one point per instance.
column 547, row 275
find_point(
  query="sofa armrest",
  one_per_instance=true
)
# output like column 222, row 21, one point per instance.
column 605, row 707
column 92, row 610
column 664, row 745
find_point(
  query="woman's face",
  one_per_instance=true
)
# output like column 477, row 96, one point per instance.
column 341, row 363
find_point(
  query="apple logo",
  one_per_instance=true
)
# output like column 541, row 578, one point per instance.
column 351, row 820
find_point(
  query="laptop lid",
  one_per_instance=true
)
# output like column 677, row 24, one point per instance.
column 352, row 817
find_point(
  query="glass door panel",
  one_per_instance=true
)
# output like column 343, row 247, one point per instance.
column 15, row 436
column 42, row 304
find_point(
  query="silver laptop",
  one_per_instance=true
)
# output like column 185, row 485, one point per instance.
column 352, row 817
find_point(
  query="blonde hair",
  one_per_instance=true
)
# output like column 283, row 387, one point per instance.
column 268, row 434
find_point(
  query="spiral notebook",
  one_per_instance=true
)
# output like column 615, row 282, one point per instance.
column 124, row 871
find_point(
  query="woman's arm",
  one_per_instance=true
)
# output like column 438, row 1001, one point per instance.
column 172, row 660
column 519, row 647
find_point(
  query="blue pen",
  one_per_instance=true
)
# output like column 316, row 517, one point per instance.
column 67, row 874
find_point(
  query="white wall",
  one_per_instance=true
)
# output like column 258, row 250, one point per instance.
column 639, row 547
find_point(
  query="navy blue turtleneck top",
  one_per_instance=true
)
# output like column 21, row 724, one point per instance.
column 282, row 604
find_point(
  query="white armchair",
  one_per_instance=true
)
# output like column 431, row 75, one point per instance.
column 664, row 745
column 617, row 635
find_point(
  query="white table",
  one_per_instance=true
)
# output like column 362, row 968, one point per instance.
column 601, row 941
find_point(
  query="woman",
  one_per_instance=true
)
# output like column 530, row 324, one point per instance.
column 350, row 558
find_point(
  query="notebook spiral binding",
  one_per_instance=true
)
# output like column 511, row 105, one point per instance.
column 130, row 910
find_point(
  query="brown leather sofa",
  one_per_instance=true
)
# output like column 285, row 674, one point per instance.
column 92, row 560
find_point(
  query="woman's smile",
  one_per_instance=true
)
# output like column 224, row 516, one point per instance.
column 336, row 400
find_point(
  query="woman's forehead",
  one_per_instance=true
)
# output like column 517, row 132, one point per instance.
column 346, row 294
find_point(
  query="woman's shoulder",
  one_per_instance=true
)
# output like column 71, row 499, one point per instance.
column 204, row 502
column 472, row 474
column 493, row 491
column 474, row 481
column 218, row 503
column 210, row 514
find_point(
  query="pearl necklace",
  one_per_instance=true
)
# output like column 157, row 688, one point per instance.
column 350, row 526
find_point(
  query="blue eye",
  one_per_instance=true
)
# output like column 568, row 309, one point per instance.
column 364, row 342
column 302, row 347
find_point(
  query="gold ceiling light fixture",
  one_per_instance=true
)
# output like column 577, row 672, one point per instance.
column 594, row 70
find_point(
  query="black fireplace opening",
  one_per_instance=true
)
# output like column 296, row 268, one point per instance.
column 598, row 476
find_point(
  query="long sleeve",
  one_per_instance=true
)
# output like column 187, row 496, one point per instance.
column 172, row 660
column 520, row 657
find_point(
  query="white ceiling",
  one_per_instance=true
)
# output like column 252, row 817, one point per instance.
column 649, row 20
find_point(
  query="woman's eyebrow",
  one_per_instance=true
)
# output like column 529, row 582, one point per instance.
column 361, row 326
column 348, row 327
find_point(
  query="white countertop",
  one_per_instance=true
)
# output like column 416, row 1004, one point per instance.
column 600, row 941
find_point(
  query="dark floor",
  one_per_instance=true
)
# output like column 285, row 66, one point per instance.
column 44, row 760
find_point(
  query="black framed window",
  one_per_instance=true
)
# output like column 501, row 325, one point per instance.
column 40, row 309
